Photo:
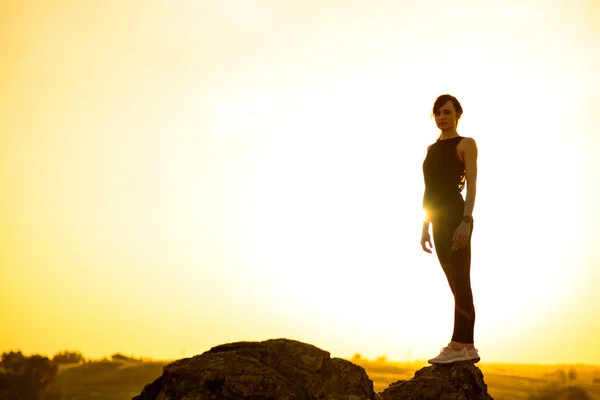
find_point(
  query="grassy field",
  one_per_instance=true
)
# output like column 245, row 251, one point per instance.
column 107, row 379
column 123, row 380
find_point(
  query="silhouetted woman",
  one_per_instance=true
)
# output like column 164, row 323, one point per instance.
column 450, row 162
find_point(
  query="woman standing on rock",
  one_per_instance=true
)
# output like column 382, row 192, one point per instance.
column 451, row 161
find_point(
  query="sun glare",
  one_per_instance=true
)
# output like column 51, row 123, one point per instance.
column 327, row 213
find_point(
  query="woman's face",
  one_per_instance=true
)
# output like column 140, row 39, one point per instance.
column 446, row 118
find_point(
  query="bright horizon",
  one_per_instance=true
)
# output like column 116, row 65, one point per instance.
column 178, row 174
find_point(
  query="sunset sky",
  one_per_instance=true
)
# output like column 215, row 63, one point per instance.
column 178, row 174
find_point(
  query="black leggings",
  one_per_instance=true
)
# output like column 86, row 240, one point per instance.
column 457, row 267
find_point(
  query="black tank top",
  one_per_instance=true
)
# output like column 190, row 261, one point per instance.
column 444, row 174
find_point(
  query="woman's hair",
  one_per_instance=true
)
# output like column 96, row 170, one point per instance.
column 443, row 99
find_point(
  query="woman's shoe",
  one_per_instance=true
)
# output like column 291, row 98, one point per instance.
column 448, row 355
column 473, row 355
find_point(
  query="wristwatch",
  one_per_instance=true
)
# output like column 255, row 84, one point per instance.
column 467, row 218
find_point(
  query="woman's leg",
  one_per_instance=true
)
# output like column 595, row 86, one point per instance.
column 464, row 314
column 457, row 267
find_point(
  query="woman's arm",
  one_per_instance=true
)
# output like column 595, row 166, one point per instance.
column 426, row 219
column 468, row 152
column 425, row 238
column 469, row 155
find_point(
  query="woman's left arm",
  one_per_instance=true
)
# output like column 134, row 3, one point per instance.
column 470, row 160
column 468, row 152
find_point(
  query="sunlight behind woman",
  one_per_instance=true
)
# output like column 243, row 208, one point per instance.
column 255, row 171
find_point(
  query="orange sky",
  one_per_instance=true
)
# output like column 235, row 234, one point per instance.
column 178, row 174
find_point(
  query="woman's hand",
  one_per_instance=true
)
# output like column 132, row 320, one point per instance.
column 461, row 236
column 426, row 239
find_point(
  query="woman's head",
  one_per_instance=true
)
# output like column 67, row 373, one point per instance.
column 447, row 111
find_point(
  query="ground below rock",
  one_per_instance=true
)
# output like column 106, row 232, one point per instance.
column 456, row 381
column 278, row 369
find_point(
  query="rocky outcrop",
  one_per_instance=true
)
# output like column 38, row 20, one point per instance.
column 456, row 381
column 283, row 369
column 278, row 369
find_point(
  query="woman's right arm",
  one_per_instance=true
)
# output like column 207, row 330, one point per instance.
column 425, row 238
column 425, row 215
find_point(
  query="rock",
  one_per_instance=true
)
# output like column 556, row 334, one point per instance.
column 456, row 381
column 278, row 369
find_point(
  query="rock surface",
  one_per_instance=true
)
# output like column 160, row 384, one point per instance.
column 457, row 381
column 278, row 369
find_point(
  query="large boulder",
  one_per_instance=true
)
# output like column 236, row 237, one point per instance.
column 278, row 369
column 456, row 381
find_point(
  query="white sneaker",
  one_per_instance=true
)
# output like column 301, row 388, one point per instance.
column 473, row 355
column 448, row 355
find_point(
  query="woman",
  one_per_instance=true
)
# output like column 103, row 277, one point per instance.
column 451, row 161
